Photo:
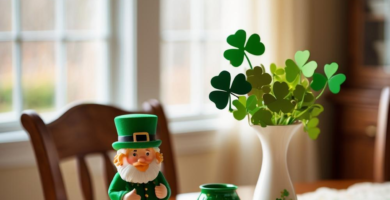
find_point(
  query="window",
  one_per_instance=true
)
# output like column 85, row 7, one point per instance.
column 53, row 52
column 190, row 45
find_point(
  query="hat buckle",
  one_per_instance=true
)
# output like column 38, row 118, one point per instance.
column 146, row 134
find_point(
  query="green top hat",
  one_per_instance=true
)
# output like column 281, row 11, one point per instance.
column 136, row 131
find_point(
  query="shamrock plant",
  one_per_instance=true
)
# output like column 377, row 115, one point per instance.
column 281, row 97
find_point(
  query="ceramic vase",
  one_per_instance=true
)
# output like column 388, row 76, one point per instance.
column 274, row 182
column 218, row 191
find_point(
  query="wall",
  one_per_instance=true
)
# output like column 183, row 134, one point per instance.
column 200, row 165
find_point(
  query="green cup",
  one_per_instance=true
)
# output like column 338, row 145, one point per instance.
column 218, row 191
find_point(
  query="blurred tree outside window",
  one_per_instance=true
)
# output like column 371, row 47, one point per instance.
column 51, row 53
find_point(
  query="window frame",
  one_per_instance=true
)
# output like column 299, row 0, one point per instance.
column 117, row 38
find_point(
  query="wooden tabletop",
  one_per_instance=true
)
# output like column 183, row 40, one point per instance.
column 246, row 192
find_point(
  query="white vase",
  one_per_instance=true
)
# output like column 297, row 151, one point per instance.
column 274, row 178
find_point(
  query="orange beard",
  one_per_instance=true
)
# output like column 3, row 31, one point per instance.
column 142, row 167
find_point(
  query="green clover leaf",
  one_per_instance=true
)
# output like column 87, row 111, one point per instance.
column 262, row 117
column 240, row 104
column 292, row 70
column 312, row 129
column 251, row 103
column 253, row 46
column 302, row 95
column 301, row 57
column 334, row 81
column 277, row 103
column 221, row 97
column 245, row 106
column 260, row 82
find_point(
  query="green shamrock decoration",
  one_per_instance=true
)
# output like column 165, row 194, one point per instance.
column 282, row 97
column 334, row 81
column 307, row 68
column 312, row 129
column 262, row 117
column 259, row 81
column 302, row 95
column 253, row 46
column 293, row 69
column 277, row 103
column 245, row 106
column 283, row 194
column 240, row 104
column 221, row 97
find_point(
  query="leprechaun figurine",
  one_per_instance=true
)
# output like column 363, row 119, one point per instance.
column 138, row 160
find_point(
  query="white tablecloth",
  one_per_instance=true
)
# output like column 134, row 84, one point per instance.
column 360, row 191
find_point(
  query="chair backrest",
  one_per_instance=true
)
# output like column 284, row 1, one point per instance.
column 382, row 152
column 81, row 130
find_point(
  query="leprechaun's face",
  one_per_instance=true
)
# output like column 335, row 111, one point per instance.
column 141, row 158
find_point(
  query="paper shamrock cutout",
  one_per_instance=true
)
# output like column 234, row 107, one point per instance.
column 253, row 46
column 302, row 95
column 262, row 117
column 259, row 80
column 282, row 97
column 240, row 104
column 293, row 69
column 221, row 97
column 334, row 81
column 307, row 68
column 277, row 103
column 243, row 106
column 312, row 129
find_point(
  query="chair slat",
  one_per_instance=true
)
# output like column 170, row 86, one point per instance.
column 109, row 169
column 84, row 178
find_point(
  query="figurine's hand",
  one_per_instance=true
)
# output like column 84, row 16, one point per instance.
column 132, row 195
column 161, row 191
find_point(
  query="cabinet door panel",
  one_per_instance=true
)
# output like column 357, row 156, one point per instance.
column 359, row 121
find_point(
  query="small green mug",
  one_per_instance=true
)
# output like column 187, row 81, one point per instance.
column 218, row 191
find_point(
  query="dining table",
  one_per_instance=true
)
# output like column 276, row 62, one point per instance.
column 246, row 192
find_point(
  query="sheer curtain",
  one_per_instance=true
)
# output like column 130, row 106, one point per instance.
column 284, row 28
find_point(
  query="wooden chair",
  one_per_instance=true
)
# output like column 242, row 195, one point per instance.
column 382, row 152
column 81, row 130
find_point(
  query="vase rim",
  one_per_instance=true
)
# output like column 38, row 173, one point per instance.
column 218, row 187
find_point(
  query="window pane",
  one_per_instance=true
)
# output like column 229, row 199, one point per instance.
column 212, row 54
column 5, row 15
column 37, row 15
column 175, row 14
column 212, row 18
column 6, row 77
column 175, row 79
column 82, row 63
column 38, row 75
column 85, row 14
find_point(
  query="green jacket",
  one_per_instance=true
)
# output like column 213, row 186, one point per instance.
column 119, row 188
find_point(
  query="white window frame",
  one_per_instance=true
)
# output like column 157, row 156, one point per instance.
column 116, row 76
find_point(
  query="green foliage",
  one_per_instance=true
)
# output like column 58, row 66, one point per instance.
column 6, row 98
column 39, row 97
column 334, row 81
column 278, row 102
column 283, row 194
column 221, row 97
column 281, row 97
column 236, row 55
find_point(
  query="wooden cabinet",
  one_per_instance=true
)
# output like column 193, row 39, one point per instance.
column 368, row 71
